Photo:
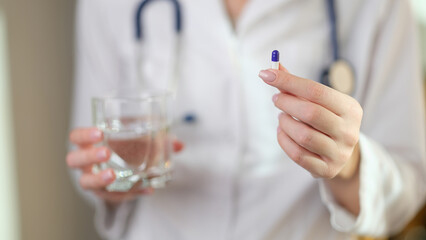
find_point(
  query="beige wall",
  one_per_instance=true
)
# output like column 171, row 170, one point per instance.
column 40, row 36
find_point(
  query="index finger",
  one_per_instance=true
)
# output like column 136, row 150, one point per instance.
column 86, row 136
column 305, row 88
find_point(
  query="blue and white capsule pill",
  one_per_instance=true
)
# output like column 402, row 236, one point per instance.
column 275, row 59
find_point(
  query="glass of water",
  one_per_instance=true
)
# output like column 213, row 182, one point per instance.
column 136, row 129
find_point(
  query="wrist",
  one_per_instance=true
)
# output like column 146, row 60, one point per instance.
column 345, row 186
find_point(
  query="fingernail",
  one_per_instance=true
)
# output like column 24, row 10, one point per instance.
column 279, row 115
column 101, row 154
column 267, row 76
column 108, row 176
column 275, row 97
column 96, row 135
column 278, row 129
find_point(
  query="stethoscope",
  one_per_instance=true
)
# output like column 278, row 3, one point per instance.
column 142, row 64
column 339, row 75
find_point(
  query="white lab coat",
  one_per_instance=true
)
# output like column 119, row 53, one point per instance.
column 233, row 181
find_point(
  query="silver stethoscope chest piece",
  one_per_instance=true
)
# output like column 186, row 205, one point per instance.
column 341, row 77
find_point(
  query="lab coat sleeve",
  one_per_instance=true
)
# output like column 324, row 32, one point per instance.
column 392, row 139
column 97, row 71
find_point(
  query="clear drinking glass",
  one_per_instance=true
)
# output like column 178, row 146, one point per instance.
column 136, row 129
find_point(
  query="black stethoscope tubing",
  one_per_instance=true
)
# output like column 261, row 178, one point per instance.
column 139, row 12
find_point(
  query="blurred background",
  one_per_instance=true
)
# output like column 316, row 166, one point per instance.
column 37, row 199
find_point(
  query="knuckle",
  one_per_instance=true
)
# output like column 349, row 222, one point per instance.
column 316, row 91
column 356, row 109
column 312, row 113
column 350, row 137
column 297, row 156
column 305, row 138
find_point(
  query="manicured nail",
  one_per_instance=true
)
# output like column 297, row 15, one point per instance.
column 267, row 76
column 101, row 154
column 96, row 135
column 278, row 129
column 275, row 97
column 107, row 176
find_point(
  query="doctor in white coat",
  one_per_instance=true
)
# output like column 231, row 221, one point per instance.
column 351, row 165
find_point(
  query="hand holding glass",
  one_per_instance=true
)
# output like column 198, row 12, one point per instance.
column 136, row 130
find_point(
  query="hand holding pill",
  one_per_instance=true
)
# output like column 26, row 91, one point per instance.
column 319, row 126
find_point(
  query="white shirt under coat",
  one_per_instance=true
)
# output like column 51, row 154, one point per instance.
column 233, row 181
